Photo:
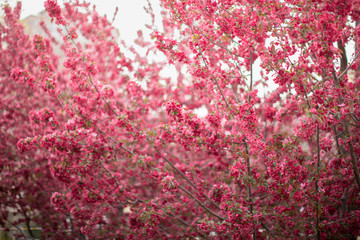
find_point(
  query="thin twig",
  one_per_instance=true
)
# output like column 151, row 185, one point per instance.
column 349, row 65
column 201, row 204
column 316, row 181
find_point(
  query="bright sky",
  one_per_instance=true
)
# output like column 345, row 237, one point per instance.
column 130, row 18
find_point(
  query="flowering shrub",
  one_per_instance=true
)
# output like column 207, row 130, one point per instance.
column 100, row 145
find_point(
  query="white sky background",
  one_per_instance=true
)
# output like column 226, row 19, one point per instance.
column 130, row 18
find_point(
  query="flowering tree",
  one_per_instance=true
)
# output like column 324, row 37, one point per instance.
column 98, row 144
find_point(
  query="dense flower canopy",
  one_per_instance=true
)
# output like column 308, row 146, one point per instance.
column 98, row 144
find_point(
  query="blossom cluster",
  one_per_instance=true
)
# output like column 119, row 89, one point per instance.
column 257, row 137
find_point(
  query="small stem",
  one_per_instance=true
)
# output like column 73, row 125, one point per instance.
column 337, row 140
column 184, row 176
column 316, row 181
column 344, row 199
column 251, row 70
column 249, row 186
column 352, row 155
column 347, row 130
column 349, row 65
column 201, row 204
column 27, row 220
column 247, row 151
column 268, row 229
column 188, row 225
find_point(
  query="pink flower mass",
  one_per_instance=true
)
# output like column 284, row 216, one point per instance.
column 257, row 136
